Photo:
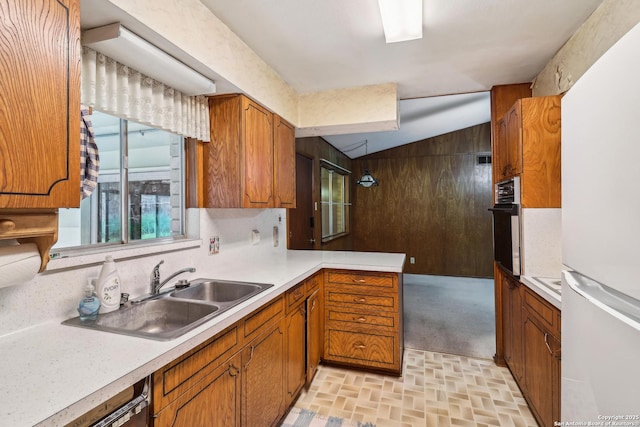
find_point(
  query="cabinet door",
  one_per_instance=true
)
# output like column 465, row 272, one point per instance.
column 40, row 104
column 296, row 352
column 213, row 402
column 257, row 155
column 314, row 334
column 263, row 376
column 501, row 156
column 514, row 141
column 512, row 327
column 542, row 371
column 284, row 178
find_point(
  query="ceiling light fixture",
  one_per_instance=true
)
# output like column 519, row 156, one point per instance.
column 367, row 179
column 401, row 19
column 118, row 43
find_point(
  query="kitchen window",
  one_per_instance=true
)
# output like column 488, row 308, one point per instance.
column 146, row 165
column 334, row 190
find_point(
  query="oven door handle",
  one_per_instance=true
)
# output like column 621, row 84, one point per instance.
column 506, row 209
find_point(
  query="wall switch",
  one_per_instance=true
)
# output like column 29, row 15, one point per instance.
column 214, row 245
column 255, row 237
column 412, row 260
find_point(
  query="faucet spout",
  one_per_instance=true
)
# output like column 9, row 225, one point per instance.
column 158, row 286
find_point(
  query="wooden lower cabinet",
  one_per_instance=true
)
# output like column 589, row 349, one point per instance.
column 314, row 334
column 213, row 402
column 263, row 373
column 363, row 320
column 541, row 338
column 531, row 345
column 303, row 335
column 296, row 351
column 512, row 326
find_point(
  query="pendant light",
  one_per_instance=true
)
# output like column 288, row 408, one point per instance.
column 367, row 179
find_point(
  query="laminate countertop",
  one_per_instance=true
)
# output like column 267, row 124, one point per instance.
column 54, row 373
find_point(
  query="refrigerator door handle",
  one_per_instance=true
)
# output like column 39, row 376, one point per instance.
column 618, row 304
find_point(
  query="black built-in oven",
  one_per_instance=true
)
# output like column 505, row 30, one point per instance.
column 506, row 225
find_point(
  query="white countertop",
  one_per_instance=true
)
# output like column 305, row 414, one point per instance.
column 545, row 287
column 54, row 373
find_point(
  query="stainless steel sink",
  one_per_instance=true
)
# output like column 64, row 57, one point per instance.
column 173, row 313
column 160, row 319
column 220, row 291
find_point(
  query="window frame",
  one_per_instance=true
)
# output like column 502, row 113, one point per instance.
column 346, row 204
column 124, row 177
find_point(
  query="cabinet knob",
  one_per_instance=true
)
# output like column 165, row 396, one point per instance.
column 6, row 225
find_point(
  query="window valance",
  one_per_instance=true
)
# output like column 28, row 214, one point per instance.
column 117, row 89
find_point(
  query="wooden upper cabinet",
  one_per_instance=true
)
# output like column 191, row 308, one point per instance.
column 250, row 161
column 40, row 104
column 531, row 150
column 256, row 141
column 284, row 178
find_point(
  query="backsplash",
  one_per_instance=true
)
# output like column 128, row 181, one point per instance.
column 54, row 295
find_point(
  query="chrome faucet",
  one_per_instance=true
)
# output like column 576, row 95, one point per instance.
column 155, row 282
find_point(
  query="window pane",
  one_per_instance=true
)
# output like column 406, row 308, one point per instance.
column 337, row 193
column 154, row 177
column 325, row 177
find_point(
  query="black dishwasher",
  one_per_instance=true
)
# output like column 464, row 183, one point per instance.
column 130, row 407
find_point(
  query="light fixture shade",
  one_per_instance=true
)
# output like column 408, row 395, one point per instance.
column 401, row 19
column 118, row 43
column 367, row 180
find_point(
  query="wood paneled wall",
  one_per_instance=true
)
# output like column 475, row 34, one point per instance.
column 432, row 204
column 317, row 148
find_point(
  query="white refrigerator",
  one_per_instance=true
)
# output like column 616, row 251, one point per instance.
column 601, row 241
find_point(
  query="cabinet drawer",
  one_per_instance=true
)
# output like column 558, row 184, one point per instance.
column 343, row 298
column 362, row 318
column 360, row 349
column 295, row 295
column 362, row 279
column 255, row 323
column 183, row 373
column 312, row 283
column 542, row 310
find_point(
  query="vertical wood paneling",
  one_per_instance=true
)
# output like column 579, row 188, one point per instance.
column 431, row 204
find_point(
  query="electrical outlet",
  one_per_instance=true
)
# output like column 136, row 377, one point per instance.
column 412, row 260
column 214, row 245
column 255, row 237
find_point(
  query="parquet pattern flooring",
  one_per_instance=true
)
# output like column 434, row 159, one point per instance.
column 436, row 390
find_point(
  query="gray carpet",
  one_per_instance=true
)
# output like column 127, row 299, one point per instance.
column 454, row 315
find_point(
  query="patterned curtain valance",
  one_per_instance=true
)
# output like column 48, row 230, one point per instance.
column 116, row 89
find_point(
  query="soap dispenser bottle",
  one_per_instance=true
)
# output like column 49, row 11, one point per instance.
column 89, row 304
column 109, row 286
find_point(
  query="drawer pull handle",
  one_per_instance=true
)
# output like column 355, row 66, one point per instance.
column 360, row 319
column 359, row 346
column 359, row 280
column 360, row 300
column 6, row 225
column 297, row 294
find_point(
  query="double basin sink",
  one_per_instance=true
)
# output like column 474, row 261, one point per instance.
column 173, row 313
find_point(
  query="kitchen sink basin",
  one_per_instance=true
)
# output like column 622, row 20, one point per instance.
column 173, row 313
column 160, row 319
column 220, row 291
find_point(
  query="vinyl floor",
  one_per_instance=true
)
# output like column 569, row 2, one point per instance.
column 435, row 390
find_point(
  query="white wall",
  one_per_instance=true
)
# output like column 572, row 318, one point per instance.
column 54, row 295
